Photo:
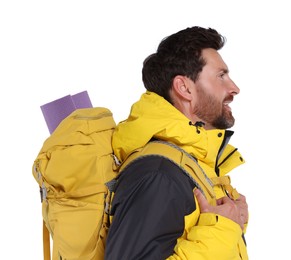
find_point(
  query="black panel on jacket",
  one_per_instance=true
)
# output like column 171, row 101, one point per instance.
column 152, row 198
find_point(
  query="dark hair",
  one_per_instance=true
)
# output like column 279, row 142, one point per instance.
column 178, row 54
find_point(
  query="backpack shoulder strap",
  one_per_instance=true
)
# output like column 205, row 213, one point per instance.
column 181, row 158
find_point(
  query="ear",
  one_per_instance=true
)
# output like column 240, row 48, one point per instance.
column 181, row 87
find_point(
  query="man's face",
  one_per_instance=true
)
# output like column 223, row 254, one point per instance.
column 214, row 91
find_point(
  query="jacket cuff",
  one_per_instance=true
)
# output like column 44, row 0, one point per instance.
column 221, row 227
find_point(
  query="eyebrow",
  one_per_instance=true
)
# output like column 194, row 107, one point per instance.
column 226, row 71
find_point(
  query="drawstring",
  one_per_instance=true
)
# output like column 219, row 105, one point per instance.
column 197, row 125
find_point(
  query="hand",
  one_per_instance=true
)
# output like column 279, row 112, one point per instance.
column 236, row 210
column 243, row 206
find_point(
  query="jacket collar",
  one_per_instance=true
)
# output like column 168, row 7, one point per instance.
column 154, row 117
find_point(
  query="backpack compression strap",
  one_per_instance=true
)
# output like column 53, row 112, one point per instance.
column 225, row 182
column 181, row 158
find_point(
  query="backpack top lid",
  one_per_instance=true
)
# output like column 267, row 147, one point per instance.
column 54, row 112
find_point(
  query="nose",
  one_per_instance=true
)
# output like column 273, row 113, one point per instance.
column 234, row 89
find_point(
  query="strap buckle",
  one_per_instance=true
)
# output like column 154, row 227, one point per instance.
column 43, row 193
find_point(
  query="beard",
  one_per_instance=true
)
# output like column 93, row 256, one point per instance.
column 212, row 111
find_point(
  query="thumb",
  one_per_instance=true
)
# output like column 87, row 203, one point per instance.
column 202, row 201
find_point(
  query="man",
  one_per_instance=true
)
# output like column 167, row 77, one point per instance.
column 187, row 103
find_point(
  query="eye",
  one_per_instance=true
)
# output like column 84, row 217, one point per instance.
column 221, row 75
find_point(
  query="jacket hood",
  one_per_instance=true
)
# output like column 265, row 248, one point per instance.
column 154, row 117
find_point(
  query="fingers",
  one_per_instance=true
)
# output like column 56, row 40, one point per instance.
column 222, row 200
column 236, row 210
column 203, row 203
column 243, row 206
column 241, row 198
column 229, row 208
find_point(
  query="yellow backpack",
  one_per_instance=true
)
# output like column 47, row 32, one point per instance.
column 76, row 171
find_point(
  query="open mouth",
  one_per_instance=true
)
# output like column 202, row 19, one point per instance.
column 226, row 105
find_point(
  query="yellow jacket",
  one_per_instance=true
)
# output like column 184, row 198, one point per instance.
column 206, row 236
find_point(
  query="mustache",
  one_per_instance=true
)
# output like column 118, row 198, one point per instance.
column 229, row 98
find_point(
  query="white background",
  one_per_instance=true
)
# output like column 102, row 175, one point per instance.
column 49, row 49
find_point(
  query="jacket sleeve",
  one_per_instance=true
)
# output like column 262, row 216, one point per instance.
column 150, row 209
column 214, row 237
